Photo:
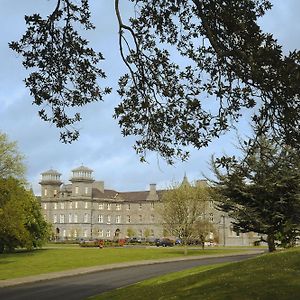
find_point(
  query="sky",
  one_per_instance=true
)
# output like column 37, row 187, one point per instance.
column 101, row 146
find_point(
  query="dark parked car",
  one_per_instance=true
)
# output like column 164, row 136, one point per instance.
column 164, row 243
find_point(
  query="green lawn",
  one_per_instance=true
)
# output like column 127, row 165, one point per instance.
column 63, row 258
column 273, row 276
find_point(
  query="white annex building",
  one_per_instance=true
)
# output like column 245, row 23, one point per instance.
column 84, row 209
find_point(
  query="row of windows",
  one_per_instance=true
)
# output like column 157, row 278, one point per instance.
column 101, row 206
column 86, row 191
column 100, row 233
column 100, row 218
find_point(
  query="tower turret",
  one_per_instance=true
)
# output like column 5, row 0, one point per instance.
column 50, row 183
column 82, row 182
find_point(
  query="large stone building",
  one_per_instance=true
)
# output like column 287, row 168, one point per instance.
column 85, row 209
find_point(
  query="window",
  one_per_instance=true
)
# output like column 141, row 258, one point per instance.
column 45, row 192
column 211, row 217
column 54, row 218
column 128, row 219
column 118, row 206
column 140, row 218
column 107, row 233
column 86, row 204
column 128, row 206
column 76, row 189
column 55, row 205
column 140, row 206
column 108, row 206
column 64, row 233
column 76, row 204
column 152, row 218
column 55, row 193
column 86, row 190
column 86, row 218
column 70, row 218
column 45, row 205
column 152, row 205
column 62, row 205
column 101, row 206
column 118, row 219
column 85, row 233
column 100, row 219
column 75, row 233
column 100, row 232
column 71, row 205
column 75, row 218
column 61, row 218
column 108, row 219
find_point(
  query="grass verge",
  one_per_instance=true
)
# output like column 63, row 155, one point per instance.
column 267, row 277
column 36, row 262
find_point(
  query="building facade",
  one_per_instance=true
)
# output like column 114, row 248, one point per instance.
column 85, row 209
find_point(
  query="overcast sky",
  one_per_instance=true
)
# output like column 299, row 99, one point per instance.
column 101, row 146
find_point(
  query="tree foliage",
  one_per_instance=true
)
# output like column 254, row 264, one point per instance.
column 183, row 210
column 193, row 68
column 65, row 68
column 21, row 221
column 11, row 161
column 261, row 191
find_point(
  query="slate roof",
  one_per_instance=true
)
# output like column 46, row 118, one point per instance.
column 51, row 172
column 82, row 168
column 108, row 194
column 125, row 196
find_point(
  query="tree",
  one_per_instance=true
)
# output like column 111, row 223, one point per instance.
column 261, row 191
column 11, row 161
column 202, row 230
column 184, row 206
column 130, row 232
column 21, row 221
column 225, row 58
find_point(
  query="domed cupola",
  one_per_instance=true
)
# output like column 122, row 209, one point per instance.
column 82, row 174
column 51, row 177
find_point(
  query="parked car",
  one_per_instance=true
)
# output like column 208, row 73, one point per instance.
column 164, row 242
column 136, row 240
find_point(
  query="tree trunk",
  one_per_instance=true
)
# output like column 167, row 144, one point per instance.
column 185, row 249
column 1, row 247
column 271, row 243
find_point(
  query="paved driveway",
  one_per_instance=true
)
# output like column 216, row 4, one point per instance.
column 85, row 285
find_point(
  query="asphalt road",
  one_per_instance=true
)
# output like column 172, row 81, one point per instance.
column 83, row 286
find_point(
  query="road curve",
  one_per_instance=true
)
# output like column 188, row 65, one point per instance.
column 82, row 286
